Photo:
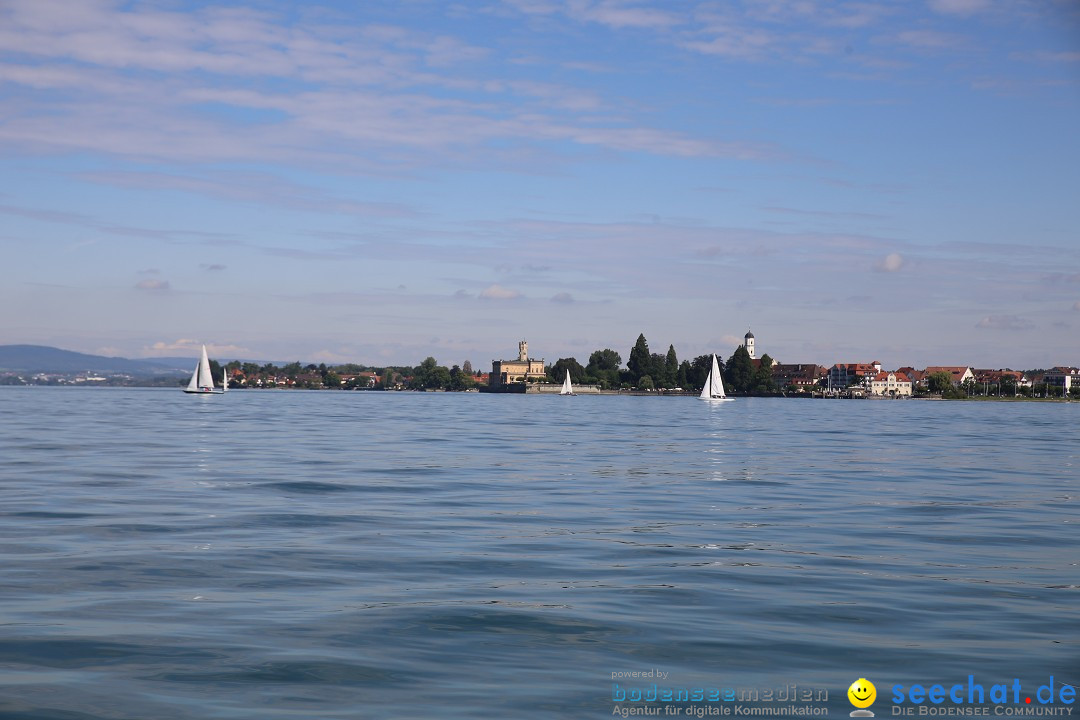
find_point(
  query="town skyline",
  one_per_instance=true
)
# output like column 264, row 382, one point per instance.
column 482, row 367
column 384, row 182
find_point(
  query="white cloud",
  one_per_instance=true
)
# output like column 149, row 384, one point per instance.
column 563, row 297
column 363, row 95
column 181, row 345
column 928, row 39
column 616, row 16
column 188, row 346
column 958, row 7
column 330, row 356
column 498, row 292
column 891, row 263
column 153, row 285
column 1076, row 306
column 1003, row 322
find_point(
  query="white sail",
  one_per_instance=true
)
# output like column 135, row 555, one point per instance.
column 206, row 380
column 224, row 379
column 714, row 385
column 201, row 380
column 193, row 384
column 567, row 389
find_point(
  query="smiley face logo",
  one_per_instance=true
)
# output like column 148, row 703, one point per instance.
column 862, row 693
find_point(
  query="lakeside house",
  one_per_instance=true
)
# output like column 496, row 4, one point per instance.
column 1062, row 377
column 801, row 376
column 366, row 379
column 1000, row 377
column 844, row 375
column 917, row 377
column 891, row 384
column 959, row 374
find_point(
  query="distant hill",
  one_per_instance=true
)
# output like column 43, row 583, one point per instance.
column 44, row 359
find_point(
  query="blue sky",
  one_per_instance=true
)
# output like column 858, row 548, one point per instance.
column 382, row 181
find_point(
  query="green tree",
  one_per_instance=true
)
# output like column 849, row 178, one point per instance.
column 557, row 371
column 466, row 368
column 657, row 369
column 953, row 393
column 603, row 367
column 671, row 368
column 215, row 371
column 429, row 375
column 739, row 371
column 763, row 382
column 941, row 382
column 698, row 371
column 640, row 361
column 645, row 383
column 937, row 382
column 460, row 380
column 605, row 359
column 440, row 379
column 682, row 379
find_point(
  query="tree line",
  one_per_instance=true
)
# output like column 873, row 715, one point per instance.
column 644, row 370
column 428, row 375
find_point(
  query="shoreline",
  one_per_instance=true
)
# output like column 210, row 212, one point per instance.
column 553, row 390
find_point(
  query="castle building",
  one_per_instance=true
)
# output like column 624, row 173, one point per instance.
column 504, row 372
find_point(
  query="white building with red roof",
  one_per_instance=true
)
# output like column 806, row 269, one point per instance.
column 891, row 384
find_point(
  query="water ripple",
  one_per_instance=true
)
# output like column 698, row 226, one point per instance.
column 343, row 555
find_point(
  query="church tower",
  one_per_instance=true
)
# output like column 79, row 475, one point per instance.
column 523, row 351
column 748, row 340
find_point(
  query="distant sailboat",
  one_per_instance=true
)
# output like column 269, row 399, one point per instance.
column 714, row 385
column 202, row 382
column 567, row 388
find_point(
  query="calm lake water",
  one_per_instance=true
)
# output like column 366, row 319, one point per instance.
column 284, row 554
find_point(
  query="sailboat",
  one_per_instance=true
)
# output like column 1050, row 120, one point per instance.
column 567, row 388
column 202, row 382
column 714, row 385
